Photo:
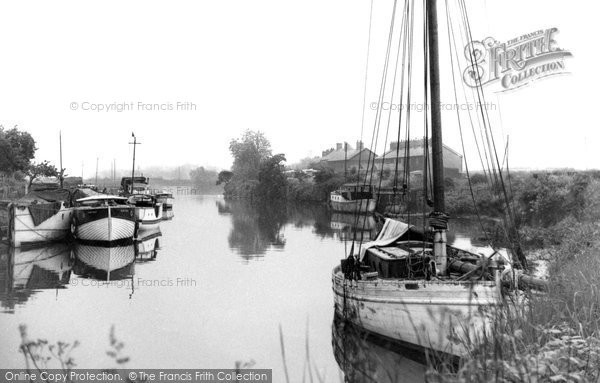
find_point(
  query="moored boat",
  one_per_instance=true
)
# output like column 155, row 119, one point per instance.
column 148, row 211
column 400, row 296
column 167, row 200
column 410, row 286
column 103, row 218
column 353, row 198
column 41, row 217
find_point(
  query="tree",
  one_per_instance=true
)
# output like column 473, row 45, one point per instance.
column 204, row 179
column 248, row 152
column 17, row 149
column 271, row 178
column 43, row 169
column 224, row 176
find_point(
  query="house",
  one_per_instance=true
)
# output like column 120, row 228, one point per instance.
column 416, row 159
column 344, row 157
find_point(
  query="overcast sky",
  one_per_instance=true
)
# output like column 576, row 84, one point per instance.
column 292, row 69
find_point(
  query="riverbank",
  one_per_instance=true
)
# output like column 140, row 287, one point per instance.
column 556, row 336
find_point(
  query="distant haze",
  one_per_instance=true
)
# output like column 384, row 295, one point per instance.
column 187, row 77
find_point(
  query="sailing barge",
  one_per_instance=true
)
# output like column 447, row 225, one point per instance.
column 410, row 286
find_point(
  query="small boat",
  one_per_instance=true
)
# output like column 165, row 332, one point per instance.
column 148, row 211
column 353, row 198
column 40, row 217
column 105, row 263
column 103, row 218
column 167, row 200
column 140, row 185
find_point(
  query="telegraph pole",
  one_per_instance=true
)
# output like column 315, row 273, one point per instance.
column 96, row 172
column 134, row 143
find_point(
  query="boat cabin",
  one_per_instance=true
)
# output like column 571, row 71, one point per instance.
column 140, row 184
column 354, row 192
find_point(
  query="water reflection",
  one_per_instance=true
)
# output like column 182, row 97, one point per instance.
column 23, row 272
column 366, row 358
column 104, row 263
column 257, row 229
column 350, row 227
column 146, row 247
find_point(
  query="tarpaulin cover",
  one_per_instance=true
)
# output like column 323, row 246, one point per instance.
column 42, row 211
column 391, row 231
column 43, row 204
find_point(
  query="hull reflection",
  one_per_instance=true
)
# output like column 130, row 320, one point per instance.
column 366, row 358
column 104, row 263
column 25, row 272
column 357, row 227
column 146, row 248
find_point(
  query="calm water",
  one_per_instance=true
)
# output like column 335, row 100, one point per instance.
column 212, row 290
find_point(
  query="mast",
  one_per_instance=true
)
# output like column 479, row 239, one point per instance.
column 345, row 161
column 133, row 166
column 436, row 119
column 61, row 175
column 437, row 219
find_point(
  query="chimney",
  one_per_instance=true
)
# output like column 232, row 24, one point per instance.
column 338, row 146
column 393, row 145
column 359, row 145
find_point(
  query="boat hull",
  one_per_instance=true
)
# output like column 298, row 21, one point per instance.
column 445, row 316
column 104, row 224
column 149, row 217
column 360, row 206
column 23, row 232
column 168, row 214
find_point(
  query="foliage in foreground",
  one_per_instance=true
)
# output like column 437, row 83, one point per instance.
column 555, row 337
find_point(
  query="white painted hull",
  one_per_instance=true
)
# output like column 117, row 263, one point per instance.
column 427, row 314
column 106, row 230
column 149, row 217
column 360, row 206
column 22, row 231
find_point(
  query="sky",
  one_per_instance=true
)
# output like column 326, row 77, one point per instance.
column 294, row 70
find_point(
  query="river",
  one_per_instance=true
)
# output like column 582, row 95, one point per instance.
column 222, row 284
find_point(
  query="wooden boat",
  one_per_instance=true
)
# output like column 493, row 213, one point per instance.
column 400, row 296
column 104, row 219
column 352, row 198
column 167, row 200
column 140, row 185
column 106, row 263
column 41, row 217
column 148, row 212
column 412, row 287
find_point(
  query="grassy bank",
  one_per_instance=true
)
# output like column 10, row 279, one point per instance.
column 556, row 336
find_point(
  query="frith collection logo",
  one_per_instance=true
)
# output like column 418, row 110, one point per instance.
column 515, row 63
